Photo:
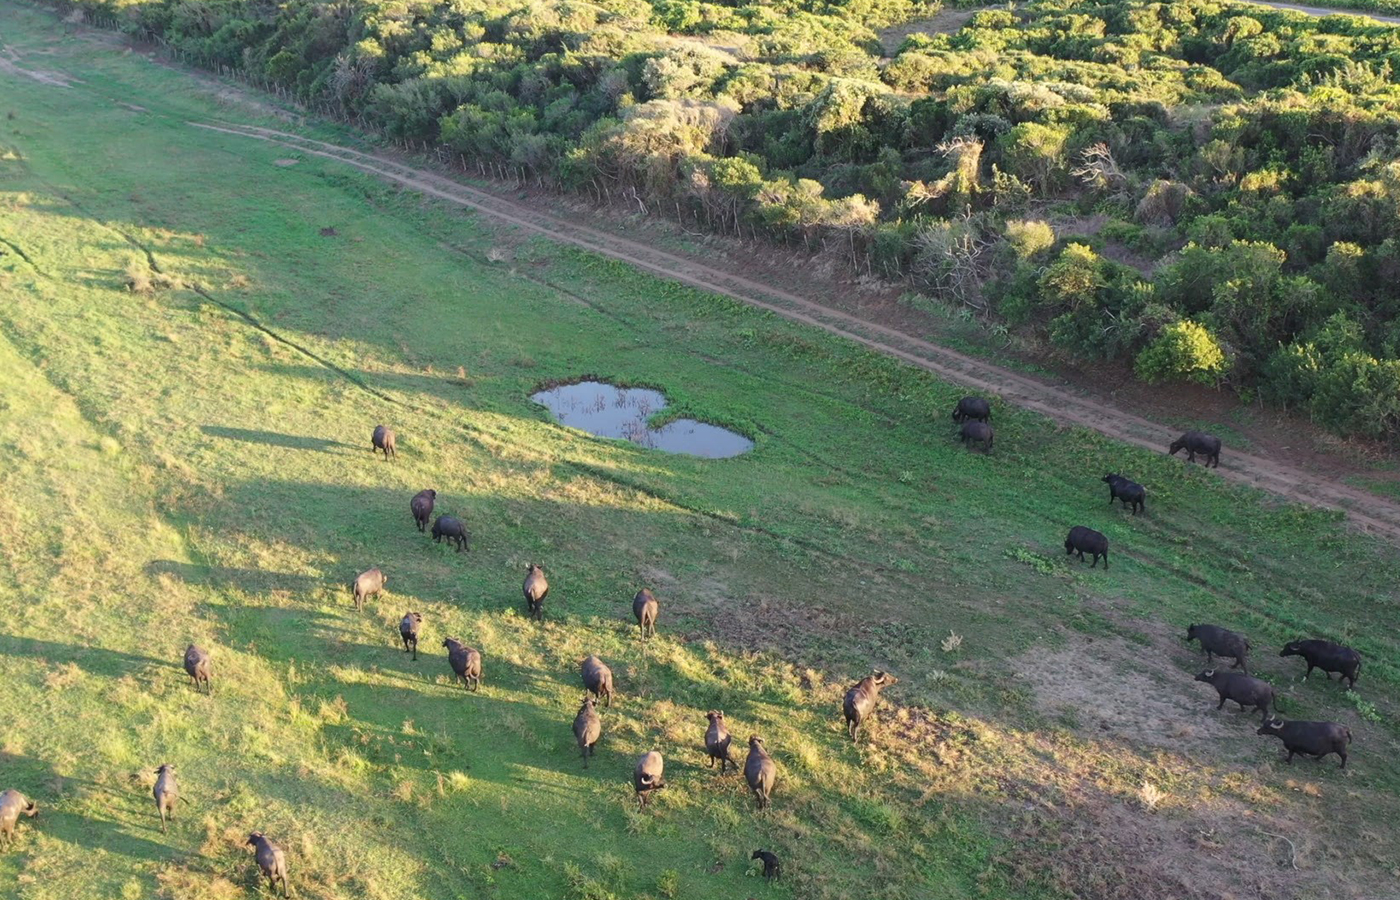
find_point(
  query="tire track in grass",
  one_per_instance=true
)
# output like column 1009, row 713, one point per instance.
column 1366, row 511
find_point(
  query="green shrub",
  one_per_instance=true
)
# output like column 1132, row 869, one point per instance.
column 1183, row 351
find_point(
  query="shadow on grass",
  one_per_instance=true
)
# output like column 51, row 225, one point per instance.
column 93, row 660
column 251, row 581
column 274, row 439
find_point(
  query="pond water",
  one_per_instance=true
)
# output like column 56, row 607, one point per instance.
column 612, row 412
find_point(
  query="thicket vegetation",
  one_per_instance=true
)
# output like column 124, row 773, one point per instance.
column 1245, row 158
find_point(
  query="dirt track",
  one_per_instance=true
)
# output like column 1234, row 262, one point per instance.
column 1367, row 511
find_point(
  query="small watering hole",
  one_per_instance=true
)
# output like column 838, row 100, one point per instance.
column 614, row 412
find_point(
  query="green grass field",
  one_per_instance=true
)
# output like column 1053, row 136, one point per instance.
column 173, row 474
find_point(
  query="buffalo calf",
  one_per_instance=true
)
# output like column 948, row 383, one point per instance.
column 451, row 527
column 976, row 433
column 465, row 662
column 597, row 679
column 772, row 869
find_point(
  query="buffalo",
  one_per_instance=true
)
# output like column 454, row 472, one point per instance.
column 1217, row 641
column 409, row 626
column 588, row 727
column 1129, row 492
column 861, row 699
column 717, row 741
column 451, row 527
column 535, row 589
column 1193, row 442
column 772, row 869
column 465, row 662
column 1316, row 739
column 972, row 409
column 645, row 608
column 13, row 804
column 198, row 668
column 367, row 584
column 598, row 679
column 1327, row 656
column 1083, row 540
column 166, row 792
column 422, row 508
column 976, row 433
column 760, row 772
column 647, row 776
column 383, row 439
column 271, row 860
column 1243, row 689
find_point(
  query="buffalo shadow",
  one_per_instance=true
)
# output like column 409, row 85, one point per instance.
column 286, row 441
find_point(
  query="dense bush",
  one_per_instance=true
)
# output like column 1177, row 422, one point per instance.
column 1250, row 156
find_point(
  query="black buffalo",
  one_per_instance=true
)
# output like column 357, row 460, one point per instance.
column 450, row 527
column 1083, row 540
column 1129, row 492
column 974, row 408
column 1193, row 442
column 1316, row 739
column 1327, row 656
column 977, row 433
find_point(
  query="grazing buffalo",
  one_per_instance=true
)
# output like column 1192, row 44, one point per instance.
column 1129, row 492
column 1316, row 739
column 271, row 860
column 409, row 626
column 1217, row 641
column 451, row 528
column 166, row 792
column 647, row 776
column 772, row 869
column 645, row 608
column 598, row 679
column 422, row 507
column 367, row 584
column 1083, row 540
column 1243, row 689
column 588, row 727
column 760, row 772
column 535, row 588
column 972, row 408
column 465, row 662
column 383, row 440
column 197, row 666
column 1327, row 656
column 861, row 699
column 13, row 804
column 977, row 433
column 1193, row 442
column 717, row 740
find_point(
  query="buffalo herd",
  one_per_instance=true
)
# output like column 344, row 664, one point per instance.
column 973, row 415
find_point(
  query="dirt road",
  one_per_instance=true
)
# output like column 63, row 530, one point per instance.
column 1367, row 511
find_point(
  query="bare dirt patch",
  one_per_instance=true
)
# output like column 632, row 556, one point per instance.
column 285, row 162
column 1112, row 689
column 946, row 22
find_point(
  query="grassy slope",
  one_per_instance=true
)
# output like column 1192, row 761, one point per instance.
column 174, row 474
